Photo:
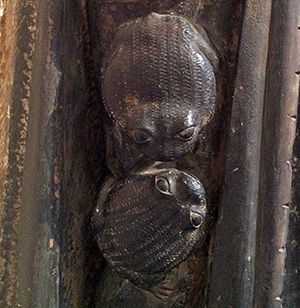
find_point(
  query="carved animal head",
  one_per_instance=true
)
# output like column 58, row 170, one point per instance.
column 158, row 85
column 150, row 223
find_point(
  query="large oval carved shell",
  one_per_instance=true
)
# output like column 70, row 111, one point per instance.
column 157, row 70
column 150, row 223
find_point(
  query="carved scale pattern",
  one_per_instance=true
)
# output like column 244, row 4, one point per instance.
column 142, row 230
column 159, row 91
column 157, row 78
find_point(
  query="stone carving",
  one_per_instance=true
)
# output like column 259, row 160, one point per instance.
column 158, row 88
column 150, row 222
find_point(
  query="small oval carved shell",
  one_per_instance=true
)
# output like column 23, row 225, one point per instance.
column 150, row 223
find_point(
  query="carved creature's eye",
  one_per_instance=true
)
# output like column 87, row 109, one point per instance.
column 188, row 32
column 141, row 136
column 186, row 134
column 196, row 219
column 163, row 185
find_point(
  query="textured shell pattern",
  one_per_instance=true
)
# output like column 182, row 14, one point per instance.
column 157, row 79
column 150, row 223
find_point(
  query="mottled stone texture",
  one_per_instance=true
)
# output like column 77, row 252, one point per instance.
column 44, row 246
column 7, row 42
column 7, row 58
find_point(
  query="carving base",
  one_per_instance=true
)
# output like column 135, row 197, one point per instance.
column 117, row 292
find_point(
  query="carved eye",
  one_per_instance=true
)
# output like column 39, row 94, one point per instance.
column 188, row 32
column 186, row 134
column 196, row 219
column 141, row 136
column 163, row 185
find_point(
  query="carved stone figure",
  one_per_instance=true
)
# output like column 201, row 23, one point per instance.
column 158, row 88
column 149, row 223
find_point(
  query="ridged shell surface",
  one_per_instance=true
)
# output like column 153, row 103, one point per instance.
column 156, row 78
column 150, row 223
